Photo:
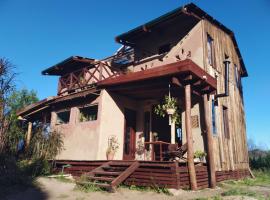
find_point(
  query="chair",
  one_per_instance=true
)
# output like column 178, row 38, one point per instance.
column 175, row 152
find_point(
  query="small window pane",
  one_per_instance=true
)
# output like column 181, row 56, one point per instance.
column 63, row 117
column 88, row 113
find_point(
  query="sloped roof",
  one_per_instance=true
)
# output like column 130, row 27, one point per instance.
column 72, row 63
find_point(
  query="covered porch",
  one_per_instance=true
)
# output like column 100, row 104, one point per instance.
column 190, row 85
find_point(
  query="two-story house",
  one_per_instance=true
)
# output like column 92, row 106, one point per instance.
column 186, row 53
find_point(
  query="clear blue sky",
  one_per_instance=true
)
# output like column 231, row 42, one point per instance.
column 36, row 34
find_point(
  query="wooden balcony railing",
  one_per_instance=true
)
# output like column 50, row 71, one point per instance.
column 86, row 77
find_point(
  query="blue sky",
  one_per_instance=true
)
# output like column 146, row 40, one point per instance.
column 36, row 34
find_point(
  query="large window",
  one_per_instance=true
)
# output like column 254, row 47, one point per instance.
column 210, row 50
column 88, row 113
column 226, row 122
column 63, row 117
column 214, row 123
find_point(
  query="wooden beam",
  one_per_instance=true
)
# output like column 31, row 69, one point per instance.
column 190, row 152
column 28, row 134
column 210, row 147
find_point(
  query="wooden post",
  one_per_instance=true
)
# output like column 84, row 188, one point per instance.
column 173, row 132
column 209, row 137
column 190, row 152
column 28, row 134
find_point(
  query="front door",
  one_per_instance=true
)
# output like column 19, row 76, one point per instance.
column 129, row 135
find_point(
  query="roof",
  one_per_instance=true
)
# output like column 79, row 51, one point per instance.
column 46, row 103
column 72, row 63
column 185, row 67
column 190, row 10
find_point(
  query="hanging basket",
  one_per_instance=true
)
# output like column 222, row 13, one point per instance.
column 170, row 111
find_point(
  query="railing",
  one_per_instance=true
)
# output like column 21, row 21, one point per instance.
column 86, row 77
column 158, row 148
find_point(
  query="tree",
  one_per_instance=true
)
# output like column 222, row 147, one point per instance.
column 7, row 76
column 16, row 130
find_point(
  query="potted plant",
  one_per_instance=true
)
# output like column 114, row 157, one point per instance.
column 155, row 136
column 200, row 155
column 113, row 146
column 169, row 107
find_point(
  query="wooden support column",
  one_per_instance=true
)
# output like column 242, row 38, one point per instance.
column 190, row 152
column 173, row 132
column 28, row 134
column 209, row 137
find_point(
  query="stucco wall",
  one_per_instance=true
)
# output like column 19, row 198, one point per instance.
column 113, row 121
column 80, row 138
column 188, row 47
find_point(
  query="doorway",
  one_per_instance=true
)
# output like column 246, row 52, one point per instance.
column 129, row 134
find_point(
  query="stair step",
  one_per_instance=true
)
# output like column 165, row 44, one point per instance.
column 107, row 173
column 102, row 185
column 114, row 168
column 101, row 178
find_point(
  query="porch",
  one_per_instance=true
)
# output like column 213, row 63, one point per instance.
column 148, row 173
column 191, row 85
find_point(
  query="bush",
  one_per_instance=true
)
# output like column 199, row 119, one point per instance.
column 45, row 145
column 259, row 160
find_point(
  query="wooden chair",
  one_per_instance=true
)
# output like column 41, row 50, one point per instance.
column 175, row 152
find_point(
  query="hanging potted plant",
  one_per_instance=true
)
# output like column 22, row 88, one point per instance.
column 169, row 107
column 113, row 146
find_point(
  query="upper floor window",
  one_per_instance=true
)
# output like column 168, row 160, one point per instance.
column 88, row 113
column 63, row 117
column 210, row 50
column 214, row 124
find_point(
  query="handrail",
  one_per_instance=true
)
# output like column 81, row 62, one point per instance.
column 160, row 143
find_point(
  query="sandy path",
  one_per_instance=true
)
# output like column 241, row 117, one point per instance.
column 52, row 189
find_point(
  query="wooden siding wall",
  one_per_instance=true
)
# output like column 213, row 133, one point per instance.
column 156, row 174
column 231, row 153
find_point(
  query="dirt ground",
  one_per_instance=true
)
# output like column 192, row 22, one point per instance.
column 51, row 189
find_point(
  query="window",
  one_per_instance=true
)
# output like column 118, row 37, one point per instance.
column 214, row 124
column 210, row 50
column 226, row 122
column 63, row 117
column 164, row 48
column 88, row 113
column 236, row 75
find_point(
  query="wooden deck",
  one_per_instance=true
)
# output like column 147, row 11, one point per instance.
column 153, row 173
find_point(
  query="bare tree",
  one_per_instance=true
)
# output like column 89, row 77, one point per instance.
column 7, row 76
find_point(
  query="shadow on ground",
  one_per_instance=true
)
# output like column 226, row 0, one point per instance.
column 15, row 179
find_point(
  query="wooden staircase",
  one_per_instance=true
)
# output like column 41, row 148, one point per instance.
column 110, row 174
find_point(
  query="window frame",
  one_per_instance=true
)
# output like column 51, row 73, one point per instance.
column 57, row 116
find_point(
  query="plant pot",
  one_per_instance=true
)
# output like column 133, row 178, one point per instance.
column 110, row 155
column 170, row 111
